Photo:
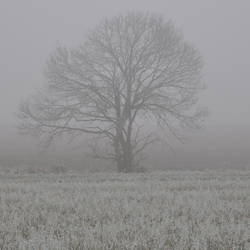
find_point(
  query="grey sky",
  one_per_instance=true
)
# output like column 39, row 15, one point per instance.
column 31, row 29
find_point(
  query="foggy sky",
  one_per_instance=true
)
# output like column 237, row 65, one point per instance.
column 30, row 30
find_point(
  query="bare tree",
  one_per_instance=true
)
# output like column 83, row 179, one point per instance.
column 131, row 69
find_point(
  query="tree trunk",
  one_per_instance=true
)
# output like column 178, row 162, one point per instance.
column 124, row 159
column 123, row 155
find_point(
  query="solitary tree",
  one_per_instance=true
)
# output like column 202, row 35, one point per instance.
column 131, row 69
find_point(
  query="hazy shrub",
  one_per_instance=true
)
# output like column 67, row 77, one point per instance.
column 140, row 169
column 58, row 169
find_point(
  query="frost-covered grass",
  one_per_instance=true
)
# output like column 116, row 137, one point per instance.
column 166, row 210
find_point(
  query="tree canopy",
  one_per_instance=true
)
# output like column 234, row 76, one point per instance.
column 130, row 69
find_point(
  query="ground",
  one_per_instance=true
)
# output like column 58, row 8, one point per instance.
column 160, row 210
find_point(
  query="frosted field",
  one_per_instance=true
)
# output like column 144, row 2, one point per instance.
column 171, row 210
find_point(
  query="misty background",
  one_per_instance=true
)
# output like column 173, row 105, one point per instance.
column 31, row 30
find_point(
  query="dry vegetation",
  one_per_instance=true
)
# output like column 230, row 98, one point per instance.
column 170, row 210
